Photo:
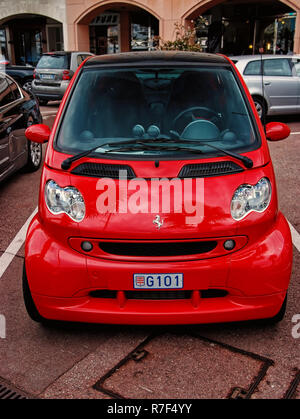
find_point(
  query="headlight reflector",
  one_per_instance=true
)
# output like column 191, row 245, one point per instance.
column 248, row 198
column 64, row 200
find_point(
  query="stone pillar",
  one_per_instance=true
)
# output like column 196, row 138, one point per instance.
column 82, row 38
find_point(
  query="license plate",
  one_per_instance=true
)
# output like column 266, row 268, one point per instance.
column 47, row 76
column 157, row 281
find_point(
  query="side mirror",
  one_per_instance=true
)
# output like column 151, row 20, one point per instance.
column 276, row 131
column 39, row 133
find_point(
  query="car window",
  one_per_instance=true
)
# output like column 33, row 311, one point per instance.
column 297, row 66
column 277, row 67
column 53, row 61
column 14, row 88
column 81, row 58
column 6, row 95
column 253, row 68
column 204, row 103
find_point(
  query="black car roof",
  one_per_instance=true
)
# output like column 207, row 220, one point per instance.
column 156, row 56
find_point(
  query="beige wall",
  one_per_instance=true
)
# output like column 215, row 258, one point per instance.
column 54, row 9
column 76, row 15
column 81, row 12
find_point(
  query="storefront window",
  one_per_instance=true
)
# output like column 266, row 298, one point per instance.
column 105, row 34
column 279, row 35
column 3, row 45
column 144, row 31
column 54, row 38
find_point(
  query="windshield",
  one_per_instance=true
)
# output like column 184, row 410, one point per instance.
column 52, row 61
column 181, row 104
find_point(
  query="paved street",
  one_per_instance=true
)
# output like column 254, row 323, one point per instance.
column 95, row 361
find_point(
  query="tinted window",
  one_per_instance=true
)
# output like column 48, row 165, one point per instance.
column 6, row 95
column 297, row 66
column 253, row 68
column 277, row 67
column 53, row 61
column 198, row 103
column 14, row 89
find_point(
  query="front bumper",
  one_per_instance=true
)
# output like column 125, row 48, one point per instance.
column 255, row 277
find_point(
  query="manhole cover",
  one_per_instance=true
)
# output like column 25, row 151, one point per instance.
column 184, row 367
column 293, row 391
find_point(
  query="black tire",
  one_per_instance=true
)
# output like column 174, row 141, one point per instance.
column 28, row 300
column 278, row 317
column 260, row 106
column 43, row 102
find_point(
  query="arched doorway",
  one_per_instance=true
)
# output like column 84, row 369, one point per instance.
column 244, row 27
column 24, row 37
column 118, row 27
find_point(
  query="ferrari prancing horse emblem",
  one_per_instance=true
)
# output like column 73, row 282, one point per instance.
column 158, row 222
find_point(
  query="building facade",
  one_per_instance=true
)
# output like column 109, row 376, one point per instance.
column 30, row 27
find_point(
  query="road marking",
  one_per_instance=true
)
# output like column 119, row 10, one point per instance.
column 295, row 237
column 15, row 246
column 295, row 133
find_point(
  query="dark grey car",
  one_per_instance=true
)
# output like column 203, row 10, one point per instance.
column 54, row 72
column 273, row 82
column 18, row 110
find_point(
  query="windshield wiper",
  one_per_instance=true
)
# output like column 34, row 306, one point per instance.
column 66, row 164
column 248, row 163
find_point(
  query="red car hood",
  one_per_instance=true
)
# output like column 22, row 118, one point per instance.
column 216, row 194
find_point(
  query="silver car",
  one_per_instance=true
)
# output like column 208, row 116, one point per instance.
column 54, row 72
column 277, row 91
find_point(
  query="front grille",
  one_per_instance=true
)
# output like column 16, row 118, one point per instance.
column 103, row 294
column 213, row 293
column 157, row 249
column 209, row 169
column 100, row 170
column 158, row 295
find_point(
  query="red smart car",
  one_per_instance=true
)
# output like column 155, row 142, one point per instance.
column 158, row 200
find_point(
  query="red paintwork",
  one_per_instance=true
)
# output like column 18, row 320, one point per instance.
column 38, row 133
column 256, row 273
column 277, row 131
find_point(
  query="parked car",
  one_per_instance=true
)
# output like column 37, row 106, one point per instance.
column 23, row 75
column 158, row 201
column 276, row 88
column 54, row 72
column 18, row 110
column 3, row 60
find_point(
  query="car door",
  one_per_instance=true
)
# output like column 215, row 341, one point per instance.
column 6, row 97
column 281, row 85
column 17, row 140
column 296, row 70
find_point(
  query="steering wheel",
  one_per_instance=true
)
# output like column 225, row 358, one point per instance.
column 211, row 116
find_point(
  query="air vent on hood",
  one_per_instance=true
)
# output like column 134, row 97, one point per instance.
column 210, row 169
column 103, row 170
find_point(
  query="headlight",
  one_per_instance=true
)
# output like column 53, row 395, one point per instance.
column 248, row 198
column 64, row 200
